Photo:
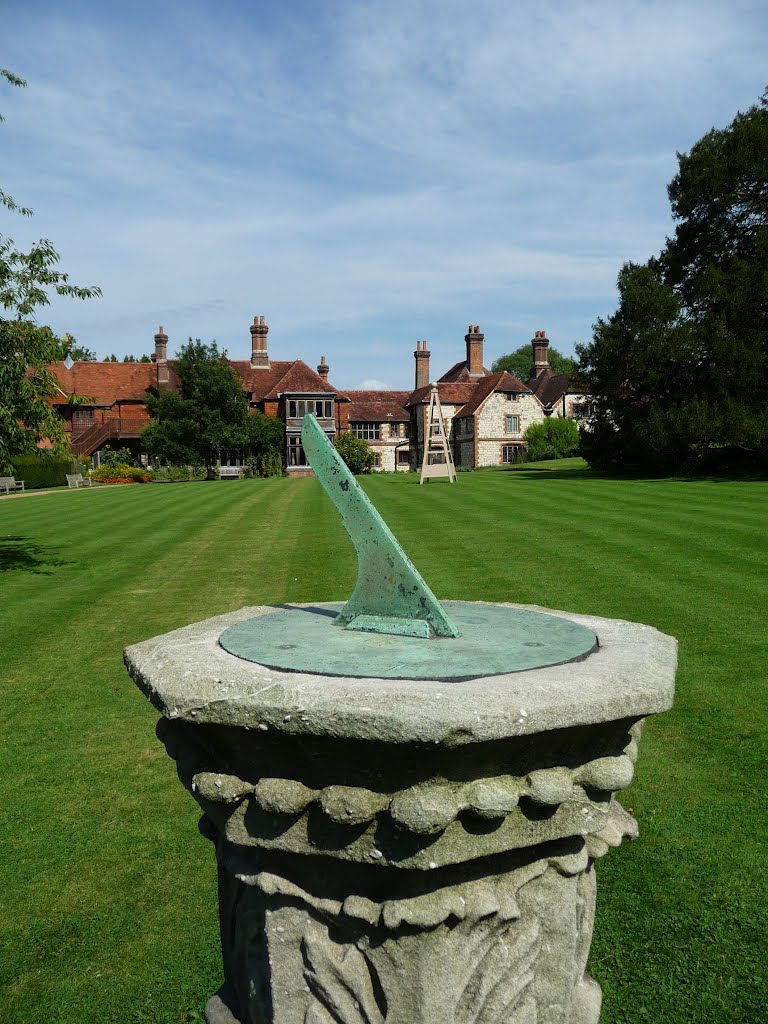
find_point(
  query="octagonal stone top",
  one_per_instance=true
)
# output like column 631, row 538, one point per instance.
column 187, row 675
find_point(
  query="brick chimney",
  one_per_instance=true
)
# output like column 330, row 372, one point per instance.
column 422, row 364
column 259, row 356
column 474, row 340
column 540, row 345
column 160, row 356
column 322, row 368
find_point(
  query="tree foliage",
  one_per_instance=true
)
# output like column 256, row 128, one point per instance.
column 356, row 452
column 679, row 373
column 266, row 441
column 556, row 438
column 26, row 348
column 209, row 416
column 77, row 353
column 519, row 362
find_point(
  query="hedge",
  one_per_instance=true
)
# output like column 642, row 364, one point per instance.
column 44, row 470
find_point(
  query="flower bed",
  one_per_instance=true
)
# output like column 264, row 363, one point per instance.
column 121, row 475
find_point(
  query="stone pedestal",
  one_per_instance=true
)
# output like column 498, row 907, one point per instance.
column 415, row 852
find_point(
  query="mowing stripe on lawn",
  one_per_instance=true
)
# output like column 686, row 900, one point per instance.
column 105, row 872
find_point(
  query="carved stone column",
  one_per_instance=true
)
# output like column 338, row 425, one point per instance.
column 408, row 852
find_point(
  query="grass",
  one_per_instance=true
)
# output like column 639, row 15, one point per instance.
column 108, row 905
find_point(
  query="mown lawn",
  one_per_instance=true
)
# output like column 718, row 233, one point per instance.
column 107, row 903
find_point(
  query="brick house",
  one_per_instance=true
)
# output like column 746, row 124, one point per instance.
column 116, row 410
column 556, row 391
column 486, row 414
column 381, row 418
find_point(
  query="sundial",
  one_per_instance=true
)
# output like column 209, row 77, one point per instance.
column 393, row 626
column 406, row 821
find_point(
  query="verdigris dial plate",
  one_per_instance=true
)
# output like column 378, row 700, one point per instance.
column 494, row 639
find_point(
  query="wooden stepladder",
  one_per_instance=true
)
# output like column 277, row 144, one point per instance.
column 438, row 460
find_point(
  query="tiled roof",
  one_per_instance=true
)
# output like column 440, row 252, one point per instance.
column 460, row 372
column 105, row 383
column 293, row 377
column 259, row 383
column 502, row 381
column 108, row 383
column 450, row 393
column 550, row 387
column 378, row 406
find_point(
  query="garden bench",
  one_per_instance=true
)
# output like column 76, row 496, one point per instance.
column 225, row 472
column 77, row 480
column 9, row 483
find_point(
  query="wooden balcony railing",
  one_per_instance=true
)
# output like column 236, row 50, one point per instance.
column 87, row 441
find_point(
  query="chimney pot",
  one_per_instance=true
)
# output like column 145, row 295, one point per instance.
column 160, row 356
column 474, row 341
column 259, row 354
column 540, row 345
column 422, row 364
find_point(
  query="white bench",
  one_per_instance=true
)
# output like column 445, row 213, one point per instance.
column 9, row 483
column 77, row 480
column 230, row 472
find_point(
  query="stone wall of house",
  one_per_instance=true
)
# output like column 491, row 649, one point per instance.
column 388, row 457
column 491, row 424
column 571, row 402
column 449, row 411
column 465, row 452
column 390, row 436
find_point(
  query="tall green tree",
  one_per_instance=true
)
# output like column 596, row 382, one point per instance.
column 209, row 415
column 519, row 362
column 266, row 444
column 26, row 347
column 680, row 371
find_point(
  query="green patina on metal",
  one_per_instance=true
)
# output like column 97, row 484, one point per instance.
column 494, row 640
column 390, row 595
column 395, row 628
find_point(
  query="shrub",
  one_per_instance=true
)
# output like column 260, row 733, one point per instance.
column 555, row 438
column 44, row 470
column 356, row 452
column 178, row 473
column 121, row 475
column 108, row 456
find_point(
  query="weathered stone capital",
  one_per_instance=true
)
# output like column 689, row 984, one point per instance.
column 187, row 675
column 406, row 851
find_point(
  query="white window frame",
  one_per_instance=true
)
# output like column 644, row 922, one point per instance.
column 322, row 408
column 365, row 429
column 295, row 454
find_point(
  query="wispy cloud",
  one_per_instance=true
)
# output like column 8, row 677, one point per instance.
column 363, row 176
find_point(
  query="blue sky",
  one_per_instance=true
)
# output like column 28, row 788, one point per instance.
column 362, row 173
